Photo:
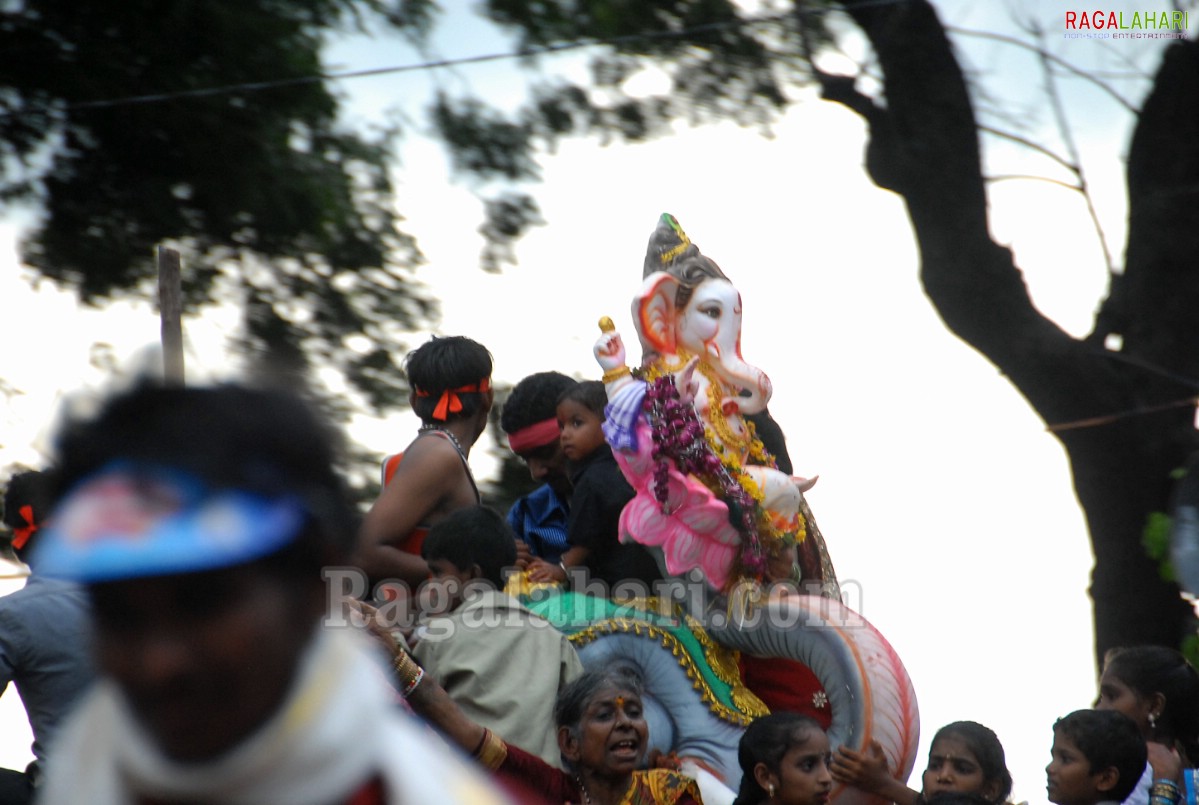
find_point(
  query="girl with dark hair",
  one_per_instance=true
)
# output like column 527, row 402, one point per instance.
column 964, row 758
column 1158, row 689
column 450, row 382
column 784, row 759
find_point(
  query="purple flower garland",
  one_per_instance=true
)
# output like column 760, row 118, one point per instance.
column 680, row 437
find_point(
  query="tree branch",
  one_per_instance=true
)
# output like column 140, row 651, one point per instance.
column 1048, row 57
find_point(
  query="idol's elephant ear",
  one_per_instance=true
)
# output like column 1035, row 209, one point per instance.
column 695, row 703
column 868, row 692
column 653, row 313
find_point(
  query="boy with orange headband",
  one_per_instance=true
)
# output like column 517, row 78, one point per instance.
column 450, row 382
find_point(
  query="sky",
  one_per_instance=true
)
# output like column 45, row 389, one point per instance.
column 947, row 507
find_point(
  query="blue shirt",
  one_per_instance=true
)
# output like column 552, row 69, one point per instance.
column 539, row 518
column 45, row 651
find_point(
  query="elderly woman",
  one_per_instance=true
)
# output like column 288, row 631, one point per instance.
column 602, row 734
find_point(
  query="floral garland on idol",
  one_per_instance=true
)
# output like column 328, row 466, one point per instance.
column 680, row 437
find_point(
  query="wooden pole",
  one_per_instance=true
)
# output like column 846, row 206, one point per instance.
column 170, row 308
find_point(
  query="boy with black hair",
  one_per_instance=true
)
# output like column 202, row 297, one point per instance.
column 450, row 382
column 199, row 521
column 599, row 496
column 530, row 421
column 1098, row 756
column 488, row 652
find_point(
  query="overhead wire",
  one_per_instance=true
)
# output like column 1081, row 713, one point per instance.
column 541, row 50
column 433, row 64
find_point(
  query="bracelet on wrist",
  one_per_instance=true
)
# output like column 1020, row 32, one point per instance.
column 1162, row 794
column 613, row 374
column 409, row 673
column 491, row 751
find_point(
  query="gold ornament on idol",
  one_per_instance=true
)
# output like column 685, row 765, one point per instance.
column 606, row 326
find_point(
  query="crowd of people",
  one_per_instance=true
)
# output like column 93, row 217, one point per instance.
column 173, row 643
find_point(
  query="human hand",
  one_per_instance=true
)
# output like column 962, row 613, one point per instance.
column 523, row 555
column 541, row 571
column 866, row 770
column 1166, row 762
column 375, row 627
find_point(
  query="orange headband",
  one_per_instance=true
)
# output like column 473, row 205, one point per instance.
column 21, row 535
column 450, row 403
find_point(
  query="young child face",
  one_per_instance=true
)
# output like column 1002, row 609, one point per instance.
column 446, row 582
column 1068, row 777
column 803, row 773
column 580, row 430
column 953, row 767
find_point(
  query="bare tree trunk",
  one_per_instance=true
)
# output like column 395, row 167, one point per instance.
column 924, row 146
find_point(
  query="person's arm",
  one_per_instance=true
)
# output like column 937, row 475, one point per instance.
column 1166, row 762
column 543, row 571
column 427, row 476
column 868, row 771
column 430, row 701
column 426, row 697
column 516, row 521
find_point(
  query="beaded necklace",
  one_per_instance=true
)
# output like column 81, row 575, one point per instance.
column 583, row 790
column 453, row 439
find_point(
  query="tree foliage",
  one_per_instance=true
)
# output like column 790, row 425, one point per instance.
column 297, row 218
column 1119, row 405
column 110, row 131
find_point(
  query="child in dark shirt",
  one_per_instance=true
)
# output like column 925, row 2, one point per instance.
column 600, row 493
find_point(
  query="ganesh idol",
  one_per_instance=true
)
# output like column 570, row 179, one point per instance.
column 683, row 427
column 689, row 427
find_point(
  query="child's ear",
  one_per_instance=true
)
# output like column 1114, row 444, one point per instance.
column 764, row 777
column 1106, row 779
column 991, row 790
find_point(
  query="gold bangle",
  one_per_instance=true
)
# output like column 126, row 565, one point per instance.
column 613, row 374
column 410, row 674
column 492, row 751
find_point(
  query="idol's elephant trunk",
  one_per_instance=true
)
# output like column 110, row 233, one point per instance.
column 752, row 385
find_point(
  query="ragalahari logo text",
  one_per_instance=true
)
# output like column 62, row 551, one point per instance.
column 1099, row 24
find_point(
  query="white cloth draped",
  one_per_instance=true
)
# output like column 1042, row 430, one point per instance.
column 339, row 728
